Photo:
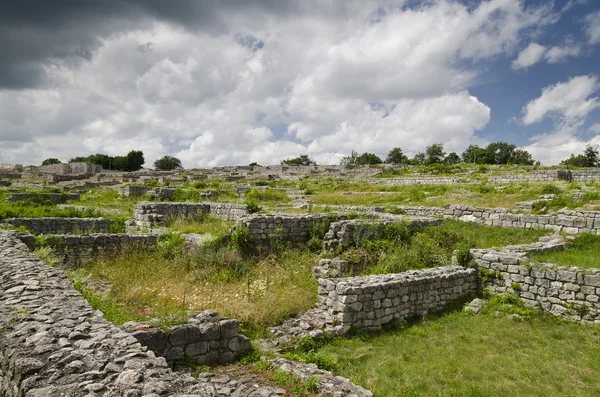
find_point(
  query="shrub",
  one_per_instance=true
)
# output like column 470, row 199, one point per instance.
column 463, row 256
column 252, row 206
column 240, row 240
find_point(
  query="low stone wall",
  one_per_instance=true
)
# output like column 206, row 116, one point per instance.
column 567, row 292
column 372, row 301
column 206, row 338
column 61, row 225
column 347, row 232
column 52, row 343
column 439, row 180
column 54, row 197
column 582, row 222
column 148, row 214
column 77, row 250
column 136, row 191
column 292, row 229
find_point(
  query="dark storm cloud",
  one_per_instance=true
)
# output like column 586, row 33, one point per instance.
column 35, row 34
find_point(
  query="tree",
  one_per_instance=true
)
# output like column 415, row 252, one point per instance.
column 591, row 156
column 395, row 156
column 51, row 161
column 419, row 159
column 452, row 158
column 499, row 152
column 368, row 158
column 474, row 154
column 434, row 154
column 522, row 157
column 135, row 160
column 167, row 163
column 301, row 160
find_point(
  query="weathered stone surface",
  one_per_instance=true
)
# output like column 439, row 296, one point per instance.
column 53, row 344
column 567, row 292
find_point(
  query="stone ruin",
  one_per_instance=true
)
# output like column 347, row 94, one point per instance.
column 54, row 344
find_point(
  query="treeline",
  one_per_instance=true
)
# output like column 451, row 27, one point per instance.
column 494, row 153
column 132, row 162
column 589, row 158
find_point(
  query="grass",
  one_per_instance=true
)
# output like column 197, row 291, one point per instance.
column 584, row 253
column 267, row 196
column 460, row 354
column 397, row 251
column 205, row 225
column 259, row 291
column 331, row 192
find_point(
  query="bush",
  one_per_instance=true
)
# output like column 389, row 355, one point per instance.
column 463, row 256
column 252, row 206
column 240, row 240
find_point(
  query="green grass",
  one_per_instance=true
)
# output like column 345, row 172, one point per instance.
column 267, row 196
column 397, row 251
column 460, row 354
column 205, row 225
column 259, row 291
column 584, row 253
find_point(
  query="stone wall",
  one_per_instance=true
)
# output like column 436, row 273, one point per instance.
column 284, row 228
column 54, row 197
column 149, row 214
column 345, row 233
column 372, row 301
column 206, row 338
column 571, row 222
column 137, row 191
column 54, row 344
column 567, row 292
column 423, row 180
column 62, row 225
column 77, row 250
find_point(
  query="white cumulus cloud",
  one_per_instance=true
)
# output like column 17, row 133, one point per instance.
column 529, row 56
column 570, row 101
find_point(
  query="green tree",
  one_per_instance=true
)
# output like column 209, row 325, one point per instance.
column 499, row 153
column 51, row 161
column 134, row 160
column 522, row 157
column 368, row 158
column 419, row 159
column 167, row 163
column 300, row 160
column 591, row 156
column 434, row 154
column 395, row 156
column 452, row 158
column 474, row 154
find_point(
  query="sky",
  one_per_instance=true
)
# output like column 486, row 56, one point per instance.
column 230, row 82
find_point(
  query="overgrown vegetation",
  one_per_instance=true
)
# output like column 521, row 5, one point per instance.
column 506, row 350
column 397, row 249
column 584, row 253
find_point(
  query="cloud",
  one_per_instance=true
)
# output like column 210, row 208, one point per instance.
column 220, row 82
column 592, row 28
column 569, row 101
column 557, row 54
column 531, row 55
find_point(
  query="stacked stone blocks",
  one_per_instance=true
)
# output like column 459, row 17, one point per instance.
column 372, row 301
column 568, row 292
column 206, row 338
